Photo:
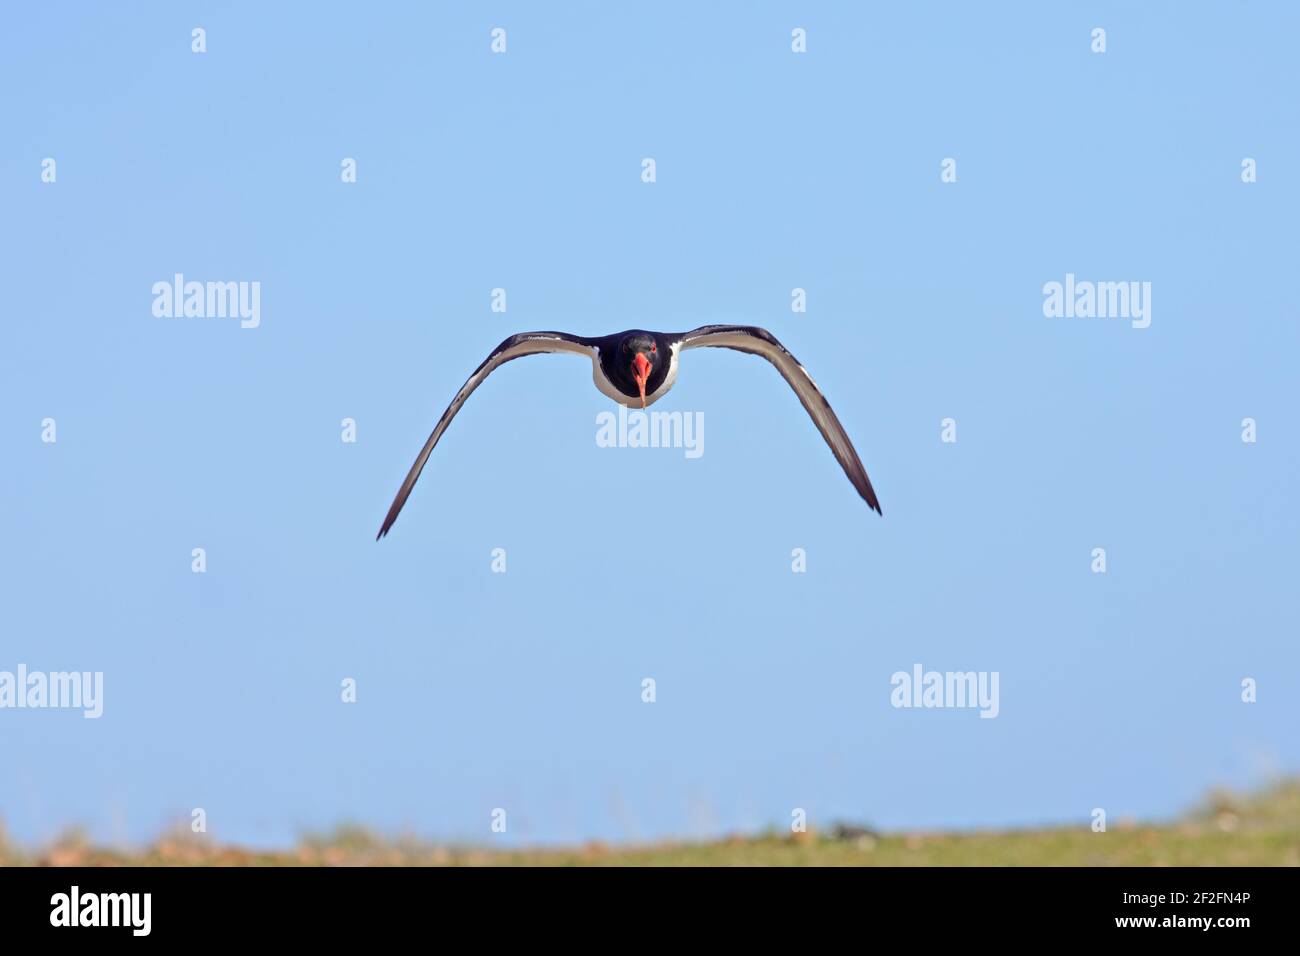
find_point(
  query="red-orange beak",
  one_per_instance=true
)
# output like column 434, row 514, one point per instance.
column 641, row 371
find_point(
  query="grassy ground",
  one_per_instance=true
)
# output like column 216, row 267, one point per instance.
column 1258, row 830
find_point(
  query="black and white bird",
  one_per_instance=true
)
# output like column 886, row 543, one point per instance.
column 639, row 367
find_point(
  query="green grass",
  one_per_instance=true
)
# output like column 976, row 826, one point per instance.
column 1228, row 830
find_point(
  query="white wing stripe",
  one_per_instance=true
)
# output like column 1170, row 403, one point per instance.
column 517, row 346
column 756, row 341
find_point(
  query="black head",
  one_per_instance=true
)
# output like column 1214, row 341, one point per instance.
column 637, row 362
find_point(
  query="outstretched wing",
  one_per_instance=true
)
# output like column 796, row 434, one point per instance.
column 517, row 346
column 756, row 341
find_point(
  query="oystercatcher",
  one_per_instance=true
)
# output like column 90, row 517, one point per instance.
column 640, row 367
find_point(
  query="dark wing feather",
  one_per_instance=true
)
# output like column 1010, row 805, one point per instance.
column 756, row 341
column 517, row 346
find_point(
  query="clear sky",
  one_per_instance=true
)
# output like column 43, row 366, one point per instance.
column 775, row 170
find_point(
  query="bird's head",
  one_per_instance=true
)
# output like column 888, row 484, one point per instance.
column 640, row 357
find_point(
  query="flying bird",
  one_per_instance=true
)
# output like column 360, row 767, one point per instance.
column 640, row 367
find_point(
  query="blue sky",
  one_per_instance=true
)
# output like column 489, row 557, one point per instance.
column 522, row 171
